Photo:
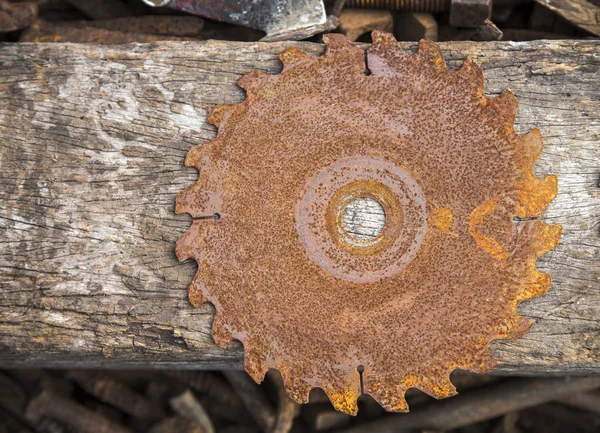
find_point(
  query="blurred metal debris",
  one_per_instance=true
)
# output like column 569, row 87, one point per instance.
column 414, row 26
column 354, row 23
column 469, row 13
column 117, row 394
column 463, row 13
column 254, row 398
column 322, row 416
column 188, row 406
column 589, row 401
column 150, row 24
column 64, row 31
column 101, row 10
column 73, row 414
column 126, row 21
column 488, row 31
column 580, row 13
column 558, row 419
column 176, row 424
column 433, row 6
column 482, row 404
column 34, row 380
column 12, row 397
column 207, row 383
column 287, row 409
column 17, row 16
column 58, row 403
column 279, row 19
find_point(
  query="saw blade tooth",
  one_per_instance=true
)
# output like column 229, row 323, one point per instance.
column 472, row 75
column 220, row 334
column 481, row 363
column 519, row 326
column 534, row 194
column 534, row 144
column 185, row 202
column 383, row 38
column 220, row 113
column 340, row 51
column 255, row 363
column 538, row 285
column 201, row 199
column 546, row 238
column 512, row 324
column 192, row 158
column 293, row 56
column 385, row 54
column 345, row 400
column 392, row 399
column 439, row 387
column 296, row 388
column 195, row 294
column 506, row 104
column 253, row 80
column 431, row 54
column 335, row 42
column 185, row 248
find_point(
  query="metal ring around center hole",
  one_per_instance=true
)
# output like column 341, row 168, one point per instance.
column 319, row 219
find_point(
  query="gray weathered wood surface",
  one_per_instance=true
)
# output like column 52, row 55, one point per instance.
column 92, row 146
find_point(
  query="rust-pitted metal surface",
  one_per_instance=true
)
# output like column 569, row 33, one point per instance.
column 442, row 279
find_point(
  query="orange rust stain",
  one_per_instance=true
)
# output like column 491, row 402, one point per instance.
column 441, row 218
column 345, row 401
column 535, row 194
column 488, row 244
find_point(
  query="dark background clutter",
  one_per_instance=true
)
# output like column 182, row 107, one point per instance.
column 125, row 21
column 168, row 401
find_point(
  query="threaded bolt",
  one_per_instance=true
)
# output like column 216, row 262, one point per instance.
column 432, row 6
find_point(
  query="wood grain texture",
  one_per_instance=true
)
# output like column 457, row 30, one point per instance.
column 92, row 147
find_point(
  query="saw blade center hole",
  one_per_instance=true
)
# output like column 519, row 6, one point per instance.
column 363, row 218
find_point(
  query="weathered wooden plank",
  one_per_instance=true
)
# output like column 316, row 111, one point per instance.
column 92, row 147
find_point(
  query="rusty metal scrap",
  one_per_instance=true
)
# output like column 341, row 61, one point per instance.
column 149, row 24
column 455, row 257
column 463, row 13
column 279, row 19
column 62, row 409
column 64, row 31
column 17, row 16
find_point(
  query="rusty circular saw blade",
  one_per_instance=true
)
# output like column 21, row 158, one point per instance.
column 442, row 280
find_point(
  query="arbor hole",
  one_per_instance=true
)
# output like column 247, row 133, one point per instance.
column 364, row 219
